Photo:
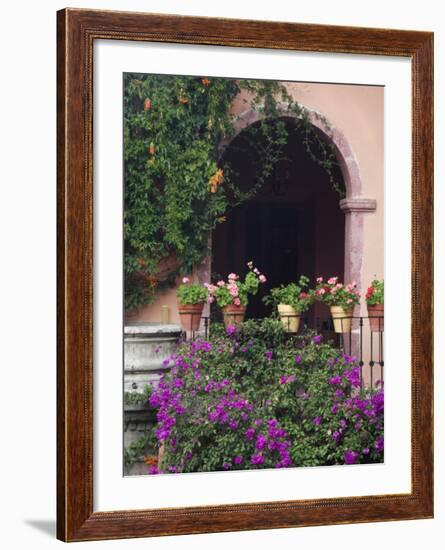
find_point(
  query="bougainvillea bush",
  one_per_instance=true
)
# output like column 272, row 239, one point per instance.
column 251, row 398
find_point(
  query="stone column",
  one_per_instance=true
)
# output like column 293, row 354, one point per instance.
column 355, row 208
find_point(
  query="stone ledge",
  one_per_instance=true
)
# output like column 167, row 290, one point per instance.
column 358, row 204
column 148, row 329
column 152, row 368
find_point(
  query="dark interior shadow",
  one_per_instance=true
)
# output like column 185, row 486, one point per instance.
column 47, row 526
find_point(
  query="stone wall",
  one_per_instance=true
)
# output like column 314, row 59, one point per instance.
column 146, row 346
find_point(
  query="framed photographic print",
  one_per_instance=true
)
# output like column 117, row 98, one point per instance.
column 244, row 275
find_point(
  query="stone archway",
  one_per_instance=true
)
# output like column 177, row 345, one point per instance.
column 354, row 205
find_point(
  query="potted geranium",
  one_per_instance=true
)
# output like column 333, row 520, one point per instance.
column 340, row 298
column 291, row 301
column 191, row 299
column 375, row 300
column 232, row 295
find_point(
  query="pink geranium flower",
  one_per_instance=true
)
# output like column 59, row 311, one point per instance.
column 185, row 280
column 233, row 290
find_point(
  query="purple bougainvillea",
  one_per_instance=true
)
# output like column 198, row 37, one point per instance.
column 249, row 397
column 257, row 459
column 351, row 456
column 231, row 329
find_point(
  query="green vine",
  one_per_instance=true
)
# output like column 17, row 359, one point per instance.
column 177, row 183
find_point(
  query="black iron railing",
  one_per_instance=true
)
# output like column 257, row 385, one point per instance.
column 361, row 337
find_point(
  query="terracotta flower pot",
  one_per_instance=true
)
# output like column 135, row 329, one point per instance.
column 342, row 319
column 190, row 315
column 376, row 317
column 289, row 317
column 233, row 314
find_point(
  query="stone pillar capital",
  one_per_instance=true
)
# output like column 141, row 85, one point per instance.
column 358, row 204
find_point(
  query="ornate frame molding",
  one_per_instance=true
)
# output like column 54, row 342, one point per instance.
column 77, row 30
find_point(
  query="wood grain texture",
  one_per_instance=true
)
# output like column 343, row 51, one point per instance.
column 77, row 30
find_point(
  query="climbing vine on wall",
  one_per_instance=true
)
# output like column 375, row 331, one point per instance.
column 177, row 186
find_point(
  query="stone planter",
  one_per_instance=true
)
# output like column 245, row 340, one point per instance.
column 376, row 317
column 342, row 319
column 233, row 314
column 289, row 318
column 146, row 346
column 190, row 316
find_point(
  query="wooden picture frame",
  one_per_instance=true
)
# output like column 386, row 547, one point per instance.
column 77, row 31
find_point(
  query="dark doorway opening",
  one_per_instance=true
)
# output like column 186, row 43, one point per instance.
column 292, row 226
